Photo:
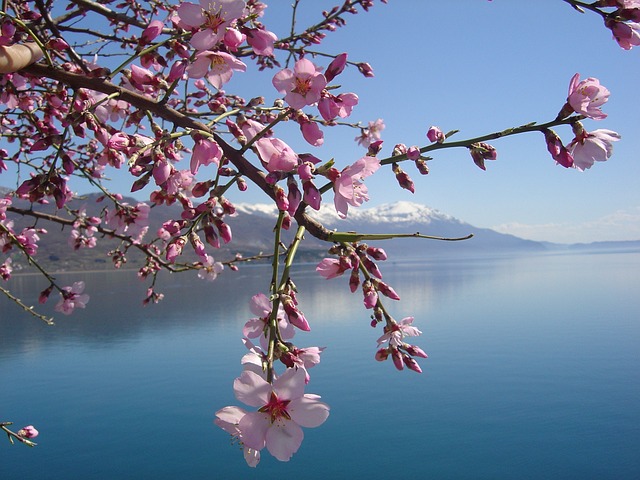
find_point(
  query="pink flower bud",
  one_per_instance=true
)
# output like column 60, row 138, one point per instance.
column 211, row 236
column 233, row 38
column 386, row 290
column 397, row 358
column 286, row 221
column 434, row 134
column 224, row 230
column 175, row 249
column 28, row 432
column 365, row 69
column 44, row 295
column 336, row 67
column 354, row 280
column 312, row 196
column 370, row 294
column 481, row 152
column 403, row 178
column 371, row 267
column 382, row 354
column 415, row 351
column 376, row 253
column 57, row 44
column 118, row 141
column 411, row 364
column 421, row 165
column 295, row 316
column 177, row 71
column 557, row 150
column 281, row 198
column 294, row 196
column 413, row 153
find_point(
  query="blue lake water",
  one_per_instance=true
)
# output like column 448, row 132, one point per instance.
column 533, row 372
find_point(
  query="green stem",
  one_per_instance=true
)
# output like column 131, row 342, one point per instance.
column 275, row 299
column 529, row 127
column 351, row 237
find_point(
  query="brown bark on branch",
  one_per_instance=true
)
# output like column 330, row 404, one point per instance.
column 161, row 110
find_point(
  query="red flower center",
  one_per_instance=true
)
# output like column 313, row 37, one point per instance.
column 276, row 408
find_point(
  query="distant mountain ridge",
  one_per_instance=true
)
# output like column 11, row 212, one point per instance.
column 252, row 227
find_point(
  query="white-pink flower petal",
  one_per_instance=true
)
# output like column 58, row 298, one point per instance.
column 308, row 411
column 284, row 439
column 252, row 389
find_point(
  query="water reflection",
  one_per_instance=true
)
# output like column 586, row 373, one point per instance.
column 532, row 374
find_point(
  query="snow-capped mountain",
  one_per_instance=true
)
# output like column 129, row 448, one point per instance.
column 402, row 217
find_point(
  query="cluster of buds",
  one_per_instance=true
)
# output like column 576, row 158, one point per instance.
column 623, row 21
column 401, row 352
column 481, row 152
column 359, row 258
column 38, row 187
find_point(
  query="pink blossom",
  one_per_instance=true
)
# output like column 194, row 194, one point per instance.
column 302, row 86
column 341, row 106
column 590, row 147
column 152, row 31
column 127, row 219
column 29, row 238
column 283, row 408
column 205, row 152
column 210, row 269
column 6, row 269
column 395, row 334
column 261, row 41
column 4, row 204
column 276, row 155
column 331, row 268
column 72, row 298
column 371, row 134
column 228, row 419
column 256, row 327
column 218, row 67
column 211, row 17
column 627, row 34
column 349, row 189
column 302, row 357
column 587, row 96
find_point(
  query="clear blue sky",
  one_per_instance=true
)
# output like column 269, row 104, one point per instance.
column 479, row 67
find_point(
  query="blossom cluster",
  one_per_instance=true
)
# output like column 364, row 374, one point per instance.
column 623, row 19
column 282, row 406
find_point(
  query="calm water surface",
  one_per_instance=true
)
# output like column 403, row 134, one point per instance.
column 533, row 373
